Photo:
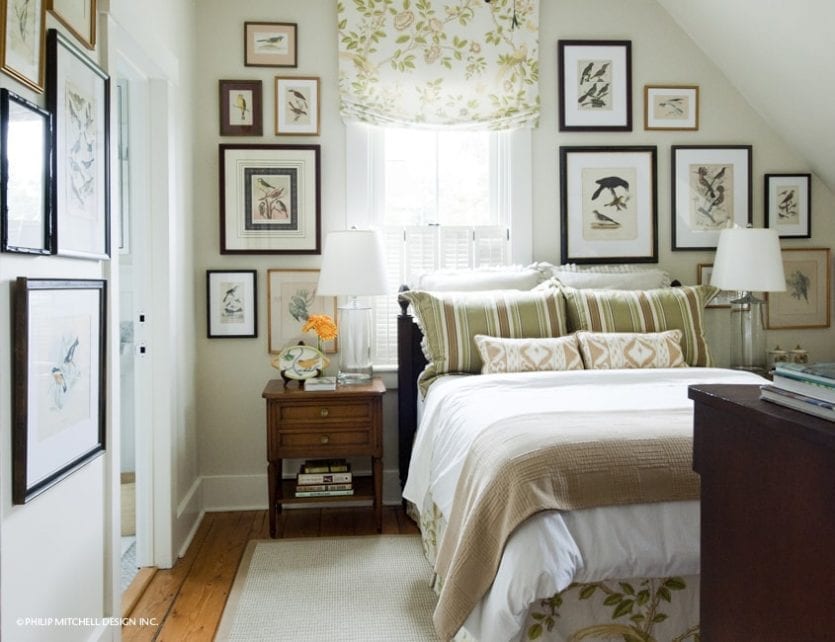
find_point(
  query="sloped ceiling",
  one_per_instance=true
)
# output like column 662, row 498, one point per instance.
column 781, row 56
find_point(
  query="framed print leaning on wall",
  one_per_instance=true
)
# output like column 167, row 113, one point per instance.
column 79, row 17
column 704, row 272
column 806, row 302
column 22, row 41
column 788, row 204
column 291, row 299
column 58, row 372
column 231, row 304
column 78, row 95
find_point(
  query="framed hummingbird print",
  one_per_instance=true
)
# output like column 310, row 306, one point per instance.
column 296, row 106
column 788, row 204
column 608, row 204
column 270, row 199
column 240, row 108
column 231, row 304
column 711, row 190
column 58, row 385
column 270, row 44
column 671, row 107
column 292, row 299
column 807, row 301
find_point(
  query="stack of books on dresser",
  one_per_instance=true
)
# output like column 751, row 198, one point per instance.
column 324, row 478
column 809, row 388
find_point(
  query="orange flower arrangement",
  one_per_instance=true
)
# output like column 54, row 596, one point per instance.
column 322, row 325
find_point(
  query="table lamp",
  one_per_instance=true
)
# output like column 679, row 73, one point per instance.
column 353, row 265
column 748, row 260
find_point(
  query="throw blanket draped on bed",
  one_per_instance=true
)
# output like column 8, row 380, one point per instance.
column 557, row 461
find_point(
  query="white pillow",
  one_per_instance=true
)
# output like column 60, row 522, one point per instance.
column 511, row 277
column 607, row 277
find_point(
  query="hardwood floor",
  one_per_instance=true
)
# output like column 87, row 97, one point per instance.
column 186, row 602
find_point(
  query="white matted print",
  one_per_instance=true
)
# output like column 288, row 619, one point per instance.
column 231, row 303
column 788, row 204
column 22, row 41
column 292, row 299
column 806, row 302
column 674, row 107
column 297, row 106
column 724, row 297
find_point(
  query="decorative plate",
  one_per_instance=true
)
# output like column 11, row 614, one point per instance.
column 300, row 362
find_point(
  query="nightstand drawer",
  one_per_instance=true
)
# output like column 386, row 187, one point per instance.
column 323, row 439
column 324, row 411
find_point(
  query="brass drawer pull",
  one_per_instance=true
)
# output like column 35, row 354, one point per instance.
column 324, row 439
column 324, row 412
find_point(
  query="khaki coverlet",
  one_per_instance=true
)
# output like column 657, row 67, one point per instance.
column 554, row 461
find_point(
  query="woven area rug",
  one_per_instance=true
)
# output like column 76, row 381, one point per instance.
column 350, row 589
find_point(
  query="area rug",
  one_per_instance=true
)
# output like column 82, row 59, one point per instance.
column 350, row 589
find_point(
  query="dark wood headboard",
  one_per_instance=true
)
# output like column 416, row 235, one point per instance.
column 410, row 363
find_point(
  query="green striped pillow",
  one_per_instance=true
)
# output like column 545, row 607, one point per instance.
column 450, row 320
column 678, row 308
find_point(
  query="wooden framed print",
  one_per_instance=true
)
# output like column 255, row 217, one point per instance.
column 704, row 272
column 22, row 41
column 240, row 108
column 79, row 17
column 806, row 303
column 296, row 106
column 292, row 300
column 231, row 304
column 270, row 44
column 671, row 107
column 788, row 204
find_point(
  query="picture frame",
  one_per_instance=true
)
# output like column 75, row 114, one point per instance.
column 710, row 189
column 58, row 379
column 704, row 272
column 22, row 42
column 270, row 199
column 671, row 107
column 595, row 85
column 807, row 302
column 270, row 44
column 297, row 106
column 608, row 203
column 78, row 16
column 240, row 108
column 25, row 176
column 231, row 304
column 788, row 204
column 291, row 297
column 81, row 150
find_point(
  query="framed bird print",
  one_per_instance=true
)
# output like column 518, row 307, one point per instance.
column 297, row 106
column 671, row 107
column 292, row 299
column 788, row 204
column 595, row 85
column 22, row 41
column 608, row 204
column 231, row 304
column 79, row 17
column 270, row 44
column 58, row 384
column 240, row 108
column 807, row 302
column 270, row 199
column 711, row 190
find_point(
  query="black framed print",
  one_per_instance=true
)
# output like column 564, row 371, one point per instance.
column 231, row 304
column 788, row 205
column 240, row 108
column 608, row 204
column 671, row 107
column 595, row 85
column 25, row 176
column 58, row 373
column 711, row 190
column 78, row 95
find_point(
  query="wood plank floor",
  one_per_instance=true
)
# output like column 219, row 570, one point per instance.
column 186, row 602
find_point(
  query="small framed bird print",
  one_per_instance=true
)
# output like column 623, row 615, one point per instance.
column 788, row 204
column 240, row 108
column 297, row 106
column 671, row 107
column 270, row 44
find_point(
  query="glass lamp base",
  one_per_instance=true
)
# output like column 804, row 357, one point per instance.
column 355, row 324
column 748, row 347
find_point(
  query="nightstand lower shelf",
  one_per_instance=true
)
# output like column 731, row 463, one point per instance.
column 363, row 491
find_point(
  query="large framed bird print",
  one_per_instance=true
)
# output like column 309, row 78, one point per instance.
column 608, row 204
column 58, row 383
column 711, row 190
column 240, row 108
column 270, row 199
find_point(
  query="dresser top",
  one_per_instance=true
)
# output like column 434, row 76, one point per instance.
column 276, row 388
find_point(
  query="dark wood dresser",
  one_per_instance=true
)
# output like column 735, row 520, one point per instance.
column 768, row 518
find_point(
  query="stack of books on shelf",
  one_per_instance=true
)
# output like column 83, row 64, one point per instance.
column 324, row 478
column 809, row 388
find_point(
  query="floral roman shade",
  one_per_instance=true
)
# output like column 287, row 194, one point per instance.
column 459, row 64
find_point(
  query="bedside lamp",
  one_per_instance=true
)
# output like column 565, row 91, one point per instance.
column 748, row 260
column 353, row 266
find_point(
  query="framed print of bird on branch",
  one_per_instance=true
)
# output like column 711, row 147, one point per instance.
column 711, row 190
column 270, row 44
column 240, row 108
column 788, row 204
column 296, row 106
column 608, row 204
column 231, row 304
column 671, row 107
column 807, row 301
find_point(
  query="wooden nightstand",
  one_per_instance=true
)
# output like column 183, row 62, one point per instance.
column 344, row 422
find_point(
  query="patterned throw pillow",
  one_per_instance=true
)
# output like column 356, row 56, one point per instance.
column 450, row 320
column 528, row 355
column 610, row 350
column 678, row 308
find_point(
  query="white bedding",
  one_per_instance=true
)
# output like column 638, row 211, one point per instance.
column 554, row 548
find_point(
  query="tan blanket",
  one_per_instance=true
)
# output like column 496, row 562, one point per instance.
column 562, row 461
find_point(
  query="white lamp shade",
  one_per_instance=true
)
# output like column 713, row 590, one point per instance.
column 352, row 264
column 749, row 259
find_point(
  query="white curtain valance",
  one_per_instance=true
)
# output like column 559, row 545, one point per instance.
column 462, row 64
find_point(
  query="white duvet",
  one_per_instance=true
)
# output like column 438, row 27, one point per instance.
column 553, row 548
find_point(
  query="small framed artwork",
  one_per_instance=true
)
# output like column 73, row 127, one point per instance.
column 78, row 95
column 240, row 108
column 788, row 204
column 704, row 272
column 231, row 304
column 672, row 107
column 711, row 190
column 595, row 85
column 269, row 199
column 270, row 44
column 25, row 173
column 22, row 41
column 292, row 299
column 297, row 106
column 79, row 17
column 58, row 398
column 608, row 204
column 806, row 302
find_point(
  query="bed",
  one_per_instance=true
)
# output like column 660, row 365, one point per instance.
column 622, row 565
